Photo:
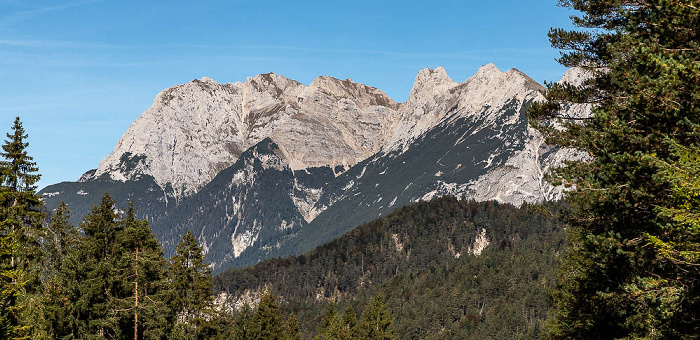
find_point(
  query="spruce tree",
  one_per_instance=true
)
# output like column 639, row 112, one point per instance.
column 61, row 238
column 20, row 203
column 117, row 261
column 192, row 288
column 243, row 325
column 291, row 329
column 643, row 58
column 337, row 326
column 92, row 269
column 20, row 231
column 144, row 288
column 376, row 322
column 266, row 322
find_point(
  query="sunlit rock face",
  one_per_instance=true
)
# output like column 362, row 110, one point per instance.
column 194, row 130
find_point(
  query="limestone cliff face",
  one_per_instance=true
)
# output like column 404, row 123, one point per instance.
column 194, row 130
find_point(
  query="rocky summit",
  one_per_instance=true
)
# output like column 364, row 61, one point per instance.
column 272, row 167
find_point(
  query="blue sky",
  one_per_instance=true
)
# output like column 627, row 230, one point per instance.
column 79, row 72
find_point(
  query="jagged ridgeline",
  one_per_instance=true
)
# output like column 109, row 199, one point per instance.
column 270, row 167
column 448, row 268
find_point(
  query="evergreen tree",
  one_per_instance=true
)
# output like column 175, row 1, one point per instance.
column 643, row 61
column 266, row 321
column 243, row 324
column 94, row 272
column 61, row 238
column 20, row 229
column 119, row 278
column 20, row 204
column 350, row 321
column 144, row 290
column 190, row 281
column 337, row 326
column 291, row 329
column 376, row 322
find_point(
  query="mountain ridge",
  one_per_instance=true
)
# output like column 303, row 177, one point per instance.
column 342, row 153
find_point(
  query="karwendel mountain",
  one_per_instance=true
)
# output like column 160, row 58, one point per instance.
column 271, row 167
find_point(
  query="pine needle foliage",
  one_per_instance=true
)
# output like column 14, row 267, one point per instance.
column 20, row 232
column 643, row 62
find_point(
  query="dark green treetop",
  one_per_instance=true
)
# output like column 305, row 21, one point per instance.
column 266, row 321
column 376, row 322
column 19, row 171
column 191, row 284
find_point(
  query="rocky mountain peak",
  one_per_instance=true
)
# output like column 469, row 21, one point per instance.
column 208, row 80
column 487, row 70
column 363, row 94
column 429, row 82
column 194, row 130
column 271, row 81
column 252, row 165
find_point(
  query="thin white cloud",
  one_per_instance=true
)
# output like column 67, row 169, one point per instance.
column 56, row 43
column 20, row 16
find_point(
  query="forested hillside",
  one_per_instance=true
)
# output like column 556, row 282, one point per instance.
column 448, row 269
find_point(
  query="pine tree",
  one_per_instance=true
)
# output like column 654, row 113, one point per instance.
column 61, row 238
column 20, row 230
column 643, row 61
column 243, row 325
column 191, row 283
column 144, row 288
column 337, row 326
column 18, row 174
column 350, row 321
column 266, row 321
column 118, row 271
column 376, row 321
column 92, row 269
column 291, row 329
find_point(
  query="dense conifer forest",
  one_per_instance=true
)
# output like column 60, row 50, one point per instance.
column 428, row 262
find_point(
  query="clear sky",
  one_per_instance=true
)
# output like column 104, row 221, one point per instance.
column 79, row 73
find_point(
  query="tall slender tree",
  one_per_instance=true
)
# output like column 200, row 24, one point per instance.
column 643, row 62
column 20, row 230
column 61, row 238
column 376, row 322
column 192, row 288
column 266, row 323
column 21, row 205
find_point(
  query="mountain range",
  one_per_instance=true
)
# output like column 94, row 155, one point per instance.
column 271, row 167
